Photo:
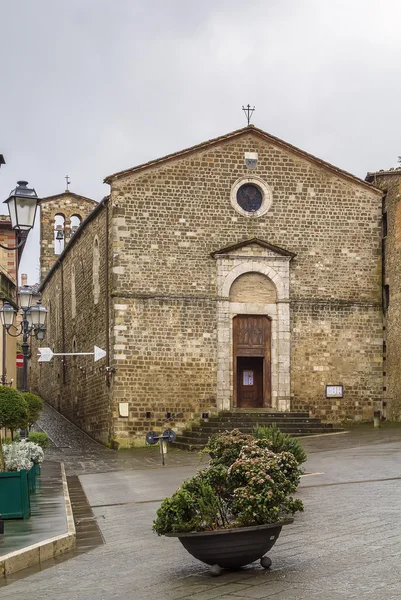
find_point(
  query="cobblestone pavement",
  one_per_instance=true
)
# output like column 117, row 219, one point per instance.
column 347, row 543
column 81, row 454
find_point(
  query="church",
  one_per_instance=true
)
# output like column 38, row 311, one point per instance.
column 241, row 273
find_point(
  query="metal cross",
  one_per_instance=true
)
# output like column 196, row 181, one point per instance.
column 68, row 181
column 248, row 112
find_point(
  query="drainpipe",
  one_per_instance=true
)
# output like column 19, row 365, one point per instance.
column 107, row 324
column 62, row 320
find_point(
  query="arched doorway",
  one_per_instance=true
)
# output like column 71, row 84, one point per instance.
column 252, row 361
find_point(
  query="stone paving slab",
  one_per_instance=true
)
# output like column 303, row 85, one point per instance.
column 346, row 545
column 48, row 517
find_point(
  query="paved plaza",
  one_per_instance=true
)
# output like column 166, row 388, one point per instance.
column 347, row 543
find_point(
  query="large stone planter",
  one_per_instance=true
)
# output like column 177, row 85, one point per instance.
column 14, row 495
column 232, row 548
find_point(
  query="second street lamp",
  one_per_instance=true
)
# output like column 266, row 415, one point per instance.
column 33, row 323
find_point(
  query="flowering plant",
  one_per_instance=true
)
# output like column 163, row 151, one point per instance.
column 34, row 451
column 16, row 457
column 245, row 484
column 22, row 455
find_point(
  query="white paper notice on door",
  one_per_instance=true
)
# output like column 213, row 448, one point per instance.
column 248, row 378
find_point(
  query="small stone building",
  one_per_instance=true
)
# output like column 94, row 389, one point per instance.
column 239, row 273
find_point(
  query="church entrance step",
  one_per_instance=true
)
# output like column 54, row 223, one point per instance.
column 296, row 424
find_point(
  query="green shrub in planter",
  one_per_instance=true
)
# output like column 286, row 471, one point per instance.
column 281, row 442
column 35, row 407
column 255, row 488
column 40, row 438
column 13, row 414
column 14, row 495
column 13, row 409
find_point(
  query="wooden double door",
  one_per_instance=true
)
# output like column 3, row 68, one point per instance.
column 252, row 361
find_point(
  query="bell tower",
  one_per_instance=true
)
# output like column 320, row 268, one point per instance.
column 60, row 217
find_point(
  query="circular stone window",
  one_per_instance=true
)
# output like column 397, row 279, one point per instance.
column 251, row 196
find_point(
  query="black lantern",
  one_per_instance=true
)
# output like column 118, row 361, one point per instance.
column 7, row 315
column 22, row 204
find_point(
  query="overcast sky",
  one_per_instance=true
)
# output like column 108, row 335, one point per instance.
column 90, row 87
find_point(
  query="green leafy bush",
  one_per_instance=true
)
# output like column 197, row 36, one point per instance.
column 40, row 438
column 13, row 409
column 281, row 442
column 254, row 488
column 35, row 406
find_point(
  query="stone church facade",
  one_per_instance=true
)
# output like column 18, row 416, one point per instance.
column 240, row 273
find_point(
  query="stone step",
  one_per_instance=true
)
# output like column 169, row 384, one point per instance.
column 201, row 439
column 286, row 428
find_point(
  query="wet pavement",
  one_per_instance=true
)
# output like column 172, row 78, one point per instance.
column 48, row 517
column 347, row 543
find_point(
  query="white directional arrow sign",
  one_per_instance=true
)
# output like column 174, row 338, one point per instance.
column 46, row 354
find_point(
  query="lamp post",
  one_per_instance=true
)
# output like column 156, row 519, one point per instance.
column 33, row 323
column 22, row 204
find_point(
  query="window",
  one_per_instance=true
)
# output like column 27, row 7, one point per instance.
column 59, row 233
column 73, row 294
column 251, row 196
column 96, row 265
column 75, row 222
column 386, row 297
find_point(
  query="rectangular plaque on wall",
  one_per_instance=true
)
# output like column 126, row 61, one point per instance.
column 334, row 391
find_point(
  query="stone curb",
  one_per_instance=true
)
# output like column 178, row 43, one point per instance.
column 38, row 553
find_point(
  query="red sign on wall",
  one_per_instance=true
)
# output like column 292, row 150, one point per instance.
column 20, row 360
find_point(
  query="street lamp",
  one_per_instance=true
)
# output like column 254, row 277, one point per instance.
column 22, row 204
column 33, row 323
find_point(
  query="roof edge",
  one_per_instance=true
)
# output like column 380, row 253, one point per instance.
column 250, row 129
column 46, row 198
column 372, row 175
column 73, row 240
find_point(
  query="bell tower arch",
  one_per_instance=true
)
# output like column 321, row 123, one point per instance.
column 60, row 217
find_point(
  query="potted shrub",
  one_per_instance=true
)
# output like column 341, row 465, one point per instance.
column 13, row 413
column 231, row 513
column 36, row 455
column 14, row 484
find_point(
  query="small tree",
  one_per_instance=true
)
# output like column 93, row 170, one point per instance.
column 35, row 407
column 13, row 413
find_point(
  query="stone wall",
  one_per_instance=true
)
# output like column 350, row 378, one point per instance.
column 177, row 245
column 390, row 181
column 76, row 386
column 169, row 218
column 68, row 205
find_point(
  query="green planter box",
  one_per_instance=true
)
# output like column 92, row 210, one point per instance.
column 14, row 495
column 32, row 479
column 37, row 470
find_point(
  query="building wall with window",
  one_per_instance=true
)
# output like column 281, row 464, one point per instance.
column 241, row 251
column 390, row 183
column 60, row 217
column 177, row 222
column 77, row 321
